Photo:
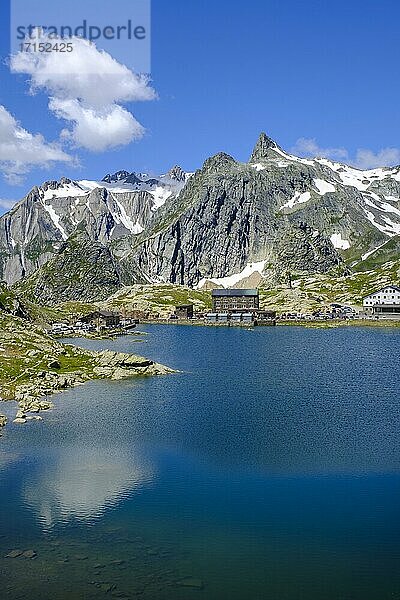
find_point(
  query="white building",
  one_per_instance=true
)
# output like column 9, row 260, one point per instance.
column 384, row 303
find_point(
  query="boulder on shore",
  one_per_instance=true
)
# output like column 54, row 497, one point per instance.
column 3, row 422
column 120, row 365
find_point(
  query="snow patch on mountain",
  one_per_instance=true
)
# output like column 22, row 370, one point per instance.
column 69, row 190
column 116, row 188
column 291, row 157
column 160, row 196
column 55, row 219
column 161, row 188
column 324, row 187
column 125, row 219
column 258, row 166
column 367, row 254
column 360, row 179
column 338, row 242
column 383, row 215
column 232, row 280
column 298, row 198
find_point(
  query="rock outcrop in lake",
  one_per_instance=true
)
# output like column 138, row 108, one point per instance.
column 34, row 366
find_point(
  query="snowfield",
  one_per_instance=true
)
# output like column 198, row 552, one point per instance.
column 298, row 198
column 232, row 280
column 339, row 242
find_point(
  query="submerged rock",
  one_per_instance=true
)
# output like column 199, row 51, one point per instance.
column 104, row 586
column 14, row 554
column 29, row 554
column 191, row 582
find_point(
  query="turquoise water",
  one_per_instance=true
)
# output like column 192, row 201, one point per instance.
column 268, row 468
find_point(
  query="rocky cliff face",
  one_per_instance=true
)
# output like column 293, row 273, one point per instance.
column 274, row 215
column 34, row 230
column 82, row 269
column 11, row 304
column 232, row 219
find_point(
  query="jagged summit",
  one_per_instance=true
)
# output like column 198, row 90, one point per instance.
column 55, row 185
column 218, row 161
column 176, row 173
column 263, row 146
column 279, row 212
column 118, row 176
column 121, row 177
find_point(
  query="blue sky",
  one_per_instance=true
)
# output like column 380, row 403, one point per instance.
column 226, row 70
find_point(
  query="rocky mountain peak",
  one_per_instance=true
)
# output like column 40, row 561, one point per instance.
column 176, row 173
column 262, row 148
column 216, row 223
column 218, row 161
column 56, row 185
column 125, row 177
column 118, row 176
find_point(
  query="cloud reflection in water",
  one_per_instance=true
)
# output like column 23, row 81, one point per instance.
column 81, row 483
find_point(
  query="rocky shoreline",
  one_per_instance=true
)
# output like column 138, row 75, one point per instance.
column 34, row 366
column 32, row 396
column 3, row 422
column 107, row 365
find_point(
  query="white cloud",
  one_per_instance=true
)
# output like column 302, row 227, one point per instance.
column 97, row 130
column 86, row 87
column 7, row 204
column 21, row 151
column 387, row 157
column 309, row 147
column 363, row 159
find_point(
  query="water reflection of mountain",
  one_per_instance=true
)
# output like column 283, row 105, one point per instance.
column 82, row 483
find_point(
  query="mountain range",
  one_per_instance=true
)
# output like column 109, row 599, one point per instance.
column 231, row 223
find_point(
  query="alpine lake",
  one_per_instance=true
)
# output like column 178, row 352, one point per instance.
column 266, row 468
